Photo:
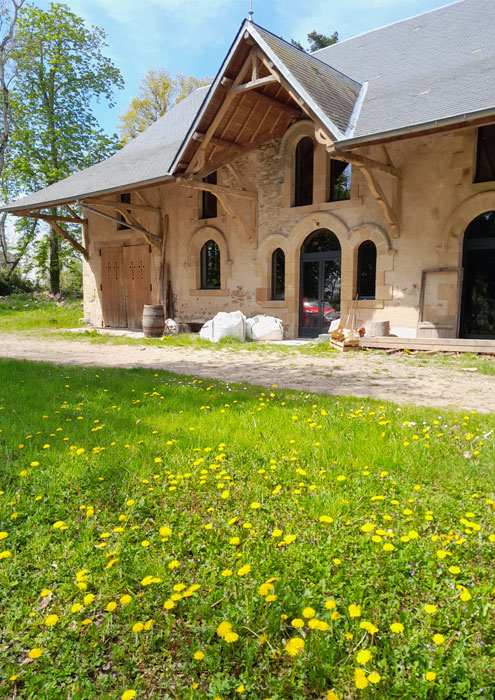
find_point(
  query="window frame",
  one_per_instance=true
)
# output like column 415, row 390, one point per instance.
column 481, row 151
column 274, row 296
column 359, row 271
column 124, row 198
column 203, row 266
column 208, row 201
column 300, row 173
column 332, row 181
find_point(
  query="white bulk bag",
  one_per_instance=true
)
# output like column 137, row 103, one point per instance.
column 265, row 328
column 206, row 332
column 225, row 325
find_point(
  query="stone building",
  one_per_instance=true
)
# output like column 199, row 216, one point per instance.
column 359, row 179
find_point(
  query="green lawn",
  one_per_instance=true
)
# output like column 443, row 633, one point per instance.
column 188, row 539
column 27, row 312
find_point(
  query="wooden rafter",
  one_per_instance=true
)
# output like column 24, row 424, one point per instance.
column 109, row 204
column 54, row 220
column 131, row 223
column 198, row 160
column 216, row 189
column 223, row 143
column 254, row 84
column 363, row 160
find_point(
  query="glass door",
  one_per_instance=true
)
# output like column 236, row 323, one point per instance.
column 320, row 293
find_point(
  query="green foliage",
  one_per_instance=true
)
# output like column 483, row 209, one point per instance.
column 61, row 70
column 14, row 283
column 158, row 92
column 276, row 502
column 28, row 312
column 316, row 41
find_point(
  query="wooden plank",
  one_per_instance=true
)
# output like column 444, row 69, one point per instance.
column 221, row 189
column 431, row 344
column 107, row 204
column 136, row 261
column 112, row 288
column 223, row 143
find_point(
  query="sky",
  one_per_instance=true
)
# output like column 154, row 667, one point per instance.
column 193, row 36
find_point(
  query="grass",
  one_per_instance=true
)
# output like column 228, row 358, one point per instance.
column 283, row 515
column 27, row 312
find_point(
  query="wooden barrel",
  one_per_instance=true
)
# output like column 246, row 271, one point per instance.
column 153, row 320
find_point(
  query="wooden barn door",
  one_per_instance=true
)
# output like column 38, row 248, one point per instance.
column 113, row 288
column 137, row 278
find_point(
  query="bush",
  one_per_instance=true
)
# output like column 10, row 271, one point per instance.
column 14, row 284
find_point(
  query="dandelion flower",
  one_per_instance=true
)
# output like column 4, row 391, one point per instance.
column 308, row 613
column 294, row 646
column 231, row 637
column 244, row 570
column 430, row 676
column 35, row 653
column 76, row 608
column 297, row 623
column 438, row 639
column 363, row 656
column 125, row 599
column 137, row 627
column 240, row 689
column 330, row 604
column 397, row 627
column 374, row 678
column 465, row 596
column 199, row 655
column 168, row 605
column 223, row 629
column 51, row 620
column 354, row 610
column 430, row 609
column 111, row 606
column 360, row 679
column 128, row 695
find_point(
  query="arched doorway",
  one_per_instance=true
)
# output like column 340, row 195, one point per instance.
column 478, row 286
column 319, row 282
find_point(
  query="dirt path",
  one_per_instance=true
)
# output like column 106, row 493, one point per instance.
column 382, row 377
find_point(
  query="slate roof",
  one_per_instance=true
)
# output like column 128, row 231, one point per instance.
column 333, row 91
column 145, row 159
column 436, row 66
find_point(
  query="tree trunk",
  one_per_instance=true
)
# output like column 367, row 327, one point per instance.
column 54, row 264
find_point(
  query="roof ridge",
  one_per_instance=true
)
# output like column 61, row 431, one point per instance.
column 390, row 24
column 312, row 54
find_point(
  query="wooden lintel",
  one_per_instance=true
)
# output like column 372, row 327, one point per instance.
column 108, row 204
column 216, row 189
column 363, row 160
column 150, row 237
column 390, row 212
column 259, row 83
column 223, row 143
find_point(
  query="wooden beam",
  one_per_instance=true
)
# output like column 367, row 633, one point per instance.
column 358, row 160
column 272, row 102
column 391, row 213
column 251, row 234
column 48, row 217
column 197, row 162
column 109, row 204
column 216, row 189
column 253, row 84
column 150, row 237
column 223, row 143
column 53, row 221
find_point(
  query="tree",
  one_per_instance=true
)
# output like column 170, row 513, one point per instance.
column 9, row 11
column 61, row 71
column 158, row 91
column 316, row 41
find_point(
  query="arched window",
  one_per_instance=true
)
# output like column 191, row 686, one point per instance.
column 340, row 180
column 366, row 270
column 303, row 175
column 210, row 266
column 278, row 275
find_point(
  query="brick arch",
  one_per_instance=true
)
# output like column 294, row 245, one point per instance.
column 460, row 218
column 264, row 263
column 384, row 258
column 198, row 239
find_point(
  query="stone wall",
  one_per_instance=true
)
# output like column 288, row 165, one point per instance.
column 437, row 200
